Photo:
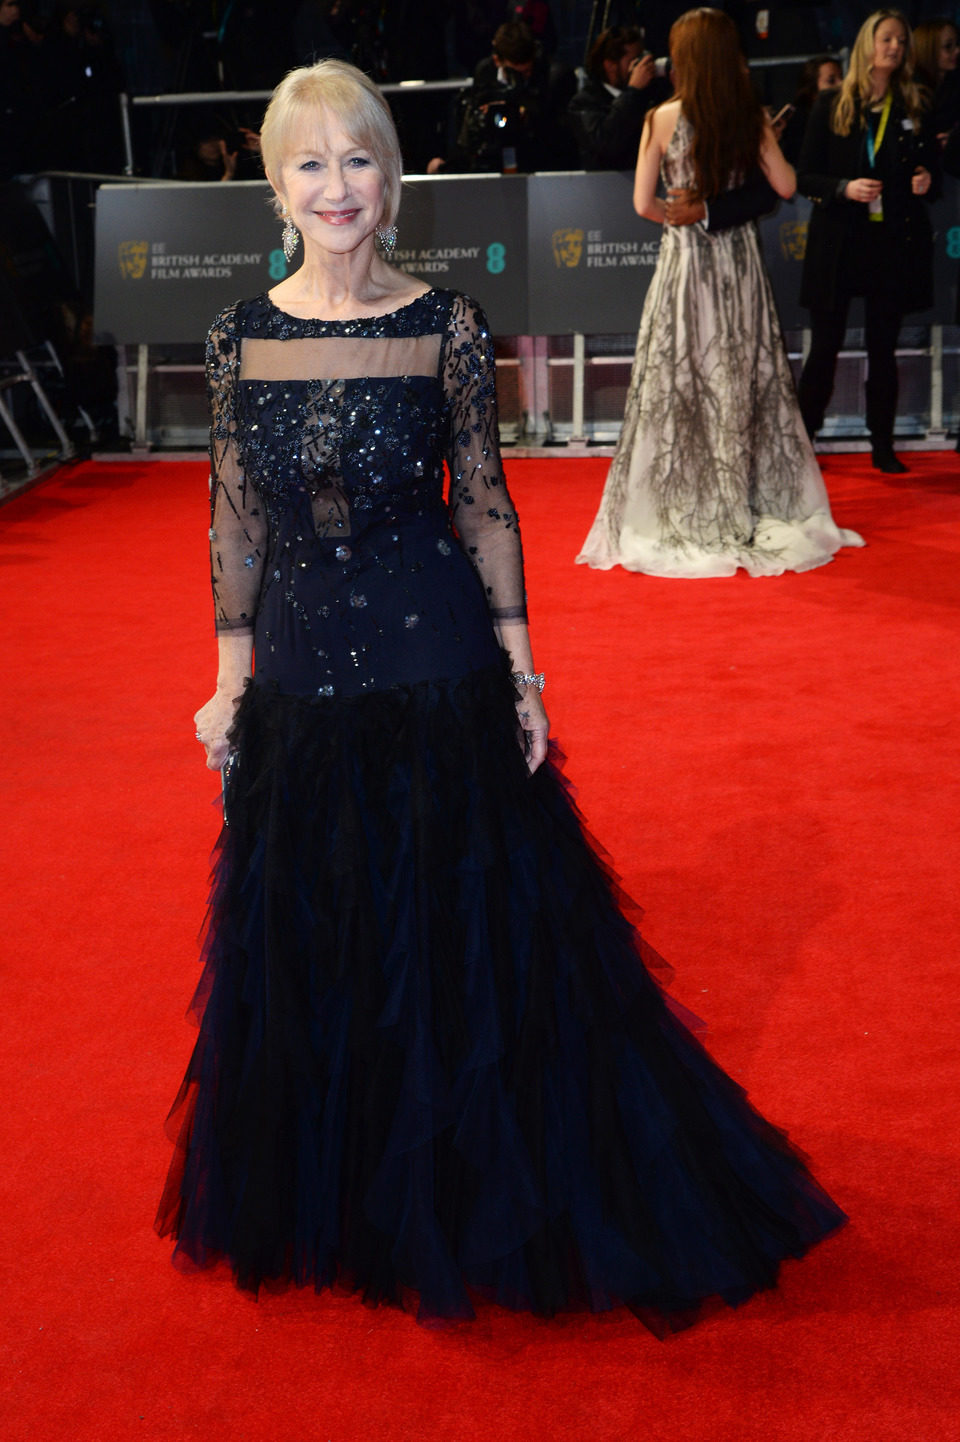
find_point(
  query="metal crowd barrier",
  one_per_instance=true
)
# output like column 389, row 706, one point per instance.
column 560, row 263
column 534, row 418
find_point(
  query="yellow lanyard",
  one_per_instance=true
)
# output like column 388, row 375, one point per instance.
column 873, row 145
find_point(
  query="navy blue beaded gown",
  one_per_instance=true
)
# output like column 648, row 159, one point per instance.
column 432, row 1063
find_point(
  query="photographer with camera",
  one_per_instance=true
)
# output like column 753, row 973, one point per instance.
column 505, row 120
column 607, row 113
column 218, row 151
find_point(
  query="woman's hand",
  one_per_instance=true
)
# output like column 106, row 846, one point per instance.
column 535, row 726
column 920, row 182
column 863, row 190
column 778, row 122
column 213, row 721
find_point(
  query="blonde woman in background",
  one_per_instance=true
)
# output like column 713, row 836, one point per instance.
column 867, row 162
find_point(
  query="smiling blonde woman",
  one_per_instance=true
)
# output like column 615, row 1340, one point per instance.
column 431, row 1063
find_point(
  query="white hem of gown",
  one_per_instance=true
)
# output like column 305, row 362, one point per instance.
column 777, row 546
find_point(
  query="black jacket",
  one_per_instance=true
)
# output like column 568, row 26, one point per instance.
column 749, row 201
column 607, row 128
column 838, row 233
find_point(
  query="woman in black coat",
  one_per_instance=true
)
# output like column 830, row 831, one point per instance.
column 867, row 161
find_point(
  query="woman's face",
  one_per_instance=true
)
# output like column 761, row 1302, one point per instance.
column 331, row 185
column 9, row 12
column 889, row 47
column 947, row 51
column 829, row 76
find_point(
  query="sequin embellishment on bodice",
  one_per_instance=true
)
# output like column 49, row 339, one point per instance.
column 331, row 536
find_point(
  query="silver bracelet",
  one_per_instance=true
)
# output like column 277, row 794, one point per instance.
column 533, row 678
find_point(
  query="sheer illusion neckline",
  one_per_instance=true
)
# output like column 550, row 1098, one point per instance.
column 347, row 320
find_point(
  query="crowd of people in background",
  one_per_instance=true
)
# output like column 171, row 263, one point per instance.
column 59, row 82
column 542, row 91
column 546, row 91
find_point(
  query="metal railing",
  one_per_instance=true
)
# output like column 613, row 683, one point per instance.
column 239, row 97
column 401, row 87
column 20, row 370
column 542, row 418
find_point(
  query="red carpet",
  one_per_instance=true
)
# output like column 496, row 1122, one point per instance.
column 773, row 766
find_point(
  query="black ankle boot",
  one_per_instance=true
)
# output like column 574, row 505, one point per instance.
column 885, row 459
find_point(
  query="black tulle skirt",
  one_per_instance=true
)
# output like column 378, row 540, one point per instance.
column 432, row 1061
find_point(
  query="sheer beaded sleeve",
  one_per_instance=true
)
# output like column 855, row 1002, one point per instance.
column 238, row 525
column 480, row 505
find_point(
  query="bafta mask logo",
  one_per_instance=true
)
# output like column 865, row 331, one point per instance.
column 567, row 247
column 132, row 255
column 793, row 239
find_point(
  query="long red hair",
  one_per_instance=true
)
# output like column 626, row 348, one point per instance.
column 717, row 96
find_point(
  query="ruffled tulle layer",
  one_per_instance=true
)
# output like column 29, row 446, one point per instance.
column 431, row 1058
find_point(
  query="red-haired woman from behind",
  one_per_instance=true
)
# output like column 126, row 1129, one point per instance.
column 713, row 469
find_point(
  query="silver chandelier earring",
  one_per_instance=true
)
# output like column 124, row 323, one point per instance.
column 387, row 238
column 291, row 235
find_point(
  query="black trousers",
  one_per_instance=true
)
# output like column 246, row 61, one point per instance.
column 883, row 317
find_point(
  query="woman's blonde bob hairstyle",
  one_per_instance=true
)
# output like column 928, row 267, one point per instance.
column 856, row 91
column 332, row 87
